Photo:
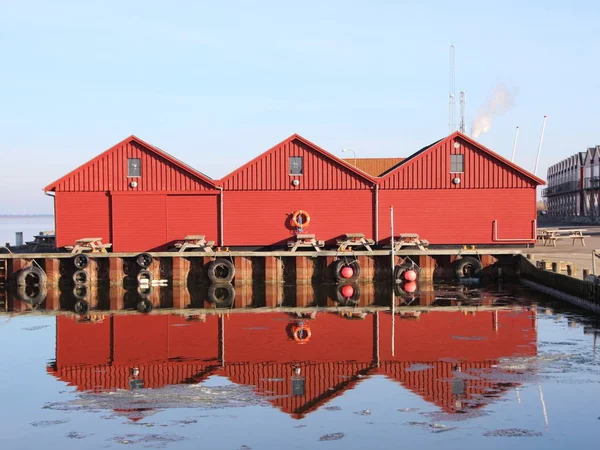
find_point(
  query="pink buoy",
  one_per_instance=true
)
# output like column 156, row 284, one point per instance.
column 347, row 291
column 410, row 287
column 347, row 272
column 410, row 275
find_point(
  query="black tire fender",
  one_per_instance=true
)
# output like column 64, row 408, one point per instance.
column 340, row 264
column 81, row 307
column 81, row 277
column 221, row 294
column 144, row 275
column 347, row 301
column 145, row 306
column 144, row 260
column 80, row 292
column 31, row 276
column 34, row 295
column 221, row 270
column 81, row 261
column 144, row 291
column 468, row 267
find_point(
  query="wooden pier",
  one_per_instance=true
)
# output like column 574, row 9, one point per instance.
column 250, row 266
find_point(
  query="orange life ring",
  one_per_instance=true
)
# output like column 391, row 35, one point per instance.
column 301, row 334
column 304, row 223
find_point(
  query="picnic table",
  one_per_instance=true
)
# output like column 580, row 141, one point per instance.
column 93, row 245
column 409, row 240
column 306, row 240
column 354, row 240
column 551, row 235
column 195, row 242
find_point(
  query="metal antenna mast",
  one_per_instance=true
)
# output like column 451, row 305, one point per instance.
column 451, row 106
column 463, row 104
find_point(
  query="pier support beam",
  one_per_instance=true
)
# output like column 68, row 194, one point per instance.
column 181, row 295
column 52, row 269
column 115, row 272
column 427, row 265
column 273, row 270
column 243, row 270
column 180, row 271
column 273, row 295
column 305, row 295
column 367, row 268
column 304, row 269
column 243, row 295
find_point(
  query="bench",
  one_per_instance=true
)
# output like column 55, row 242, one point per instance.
column 410, row 240
column 551, row 236
column 354, row 240
column 195, row 242
column 93, row 245
column 306, row 240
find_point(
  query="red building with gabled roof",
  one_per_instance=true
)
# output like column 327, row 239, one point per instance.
column 256, row 349
column 135, row 196
column 456, row 191
column 452, row 192
column 261, row 196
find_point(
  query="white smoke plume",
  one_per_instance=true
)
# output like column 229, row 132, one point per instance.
column 499, row 101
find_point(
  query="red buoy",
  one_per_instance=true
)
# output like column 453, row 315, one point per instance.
column 347, row 272
column 347, row 291
column 410, row 275
column 410, row 287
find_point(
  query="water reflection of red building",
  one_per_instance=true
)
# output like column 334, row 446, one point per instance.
column 258, row 349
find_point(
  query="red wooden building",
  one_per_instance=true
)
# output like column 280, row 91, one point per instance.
column 261, row 196
column 456, row 191
column 453, row 192
column 257, row 350
column 136, row 197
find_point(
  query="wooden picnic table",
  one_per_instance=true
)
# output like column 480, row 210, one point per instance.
column 551, row 235
column 354, row 240
column 409, row 240
column 195, row 242
column 306, row 240
column 93, row 245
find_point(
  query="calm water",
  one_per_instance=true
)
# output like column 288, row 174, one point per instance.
column 525, row 375
column 30, row 226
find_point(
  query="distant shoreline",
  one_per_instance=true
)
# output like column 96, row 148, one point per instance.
column 17, row 216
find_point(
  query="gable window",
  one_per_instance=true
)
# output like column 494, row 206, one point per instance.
column 134, row 167
column 457, row 163
column 296, row 165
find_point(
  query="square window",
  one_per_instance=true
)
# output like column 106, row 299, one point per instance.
column 457, row 163
column 296, row 165
column 134, row 167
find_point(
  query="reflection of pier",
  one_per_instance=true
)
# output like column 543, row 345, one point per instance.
column 236, row 297
column 448, row 358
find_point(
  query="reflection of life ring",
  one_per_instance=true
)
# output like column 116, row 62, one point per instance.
column 304, row 219
column 301, row 334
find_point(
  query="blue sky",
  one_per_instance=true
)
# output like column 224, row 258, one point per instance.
column 216, row 83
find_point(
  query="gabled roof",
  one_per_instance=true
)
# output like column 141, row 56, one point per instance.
column 373, row 166
column 313, row 147
column 478, row 146
column 150, row 148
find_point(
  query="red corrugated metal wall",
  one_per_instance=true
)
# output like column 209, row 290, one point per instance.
column 452, row 216
column 431, row 170
column 266, row 337
column 139, row 222
column 108, row 172
column 81, row 214
column 192, row 215
column 263, row 218
column 271, row 172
